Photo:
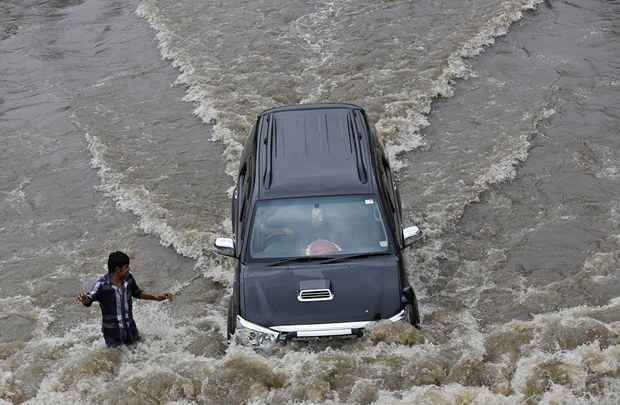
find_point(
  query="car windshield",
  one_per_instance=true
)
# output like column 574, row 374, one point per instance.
column 317, row 226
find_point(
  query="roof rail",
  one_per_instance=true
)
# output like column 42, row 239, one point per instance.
column 362, row 174
column 270, row 140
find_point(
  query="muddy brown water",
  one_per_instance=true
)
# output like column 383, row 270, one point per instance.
column 121, row 122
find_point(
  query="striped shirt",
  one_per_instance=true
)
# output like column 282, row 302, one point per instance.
column 117, row 324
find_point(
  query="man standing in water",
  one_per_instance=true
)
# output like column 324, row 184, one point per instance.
column 114, row 292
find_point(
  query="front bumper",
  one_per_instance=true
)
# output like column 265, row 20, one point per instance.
column 286, row 332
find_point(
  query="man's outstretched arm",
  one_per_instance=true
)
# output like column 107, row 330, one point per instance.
column 159, row 297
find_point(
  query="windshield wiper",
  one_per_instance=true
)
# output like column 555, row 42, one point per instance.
column 354, row 256
column 301, row 259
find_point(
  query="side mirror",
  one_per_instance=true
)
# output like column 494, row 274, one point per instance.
column 412, row 234
column 225, row 247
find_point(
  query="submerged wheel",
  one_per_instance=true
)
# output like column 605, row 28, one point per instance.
column 231, row 324
column 412, row 313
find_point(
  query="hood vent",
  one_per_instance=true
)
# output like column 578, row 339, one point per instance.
column 314, row 290
column 315, row 295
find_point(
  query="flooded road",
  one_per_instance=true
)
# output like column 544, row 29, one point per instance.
column 121, row 122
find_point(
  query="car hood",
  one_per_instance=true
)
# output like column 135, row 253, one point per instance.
column 363, row 290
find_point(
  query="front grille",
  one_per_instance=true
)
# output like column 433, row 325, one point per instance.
column 322, row 294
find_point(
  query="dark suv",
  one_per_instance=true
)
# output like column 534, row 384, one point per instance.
column 317, row 228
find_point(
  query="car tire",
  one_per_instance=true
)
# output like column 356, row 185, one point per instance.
column 233, row 311
column 412, row 313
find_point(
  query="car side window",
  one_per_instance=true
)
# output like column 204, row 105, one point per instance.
column 241, row 186
column 386, row 182
column 244, row 198
column 390, row 193
column 238, row 201
column 389, row 183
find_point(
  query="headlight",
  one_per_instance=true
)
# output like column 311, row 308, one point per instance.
column 250, row 334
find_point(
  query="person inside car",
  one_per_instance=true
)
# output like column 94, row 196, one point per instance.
column 322, row 236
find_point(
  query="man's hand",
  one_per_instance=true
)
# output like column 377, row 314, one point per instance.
column 165, row 296
column 81, row 298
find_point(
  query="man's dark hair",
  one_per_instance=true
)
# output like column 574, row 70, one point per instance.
column 116, row 261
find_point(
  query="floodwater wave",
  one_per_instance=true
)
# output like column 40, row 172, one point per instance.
column 399, row 125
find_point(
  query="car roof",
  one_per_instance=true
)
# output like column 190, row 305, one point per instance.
column 313, row 149
column 312, row 106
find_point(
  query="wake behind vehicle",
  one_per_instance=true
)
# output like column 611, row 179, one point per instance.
column 316, row 229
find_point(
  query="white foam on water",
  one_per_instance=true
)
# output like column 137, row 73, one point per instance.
column 563, row 377
column 24, row 307
column 608, row 161
column 599, row 268
column 401, row 134
column 442, row 215
column 408, row 137
column 564, row 367
column 307, row 27
column 162, row 369
column 447, row 394
column 604, row 264
column 217, row 268
column 411, row 140
column 560, row 395
column 6, row 386
column 18, row 196
column 505, row 168
column 79, row 368
column 138, row 200
column 195, row 94
column 568, row 348
column 609, row 173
